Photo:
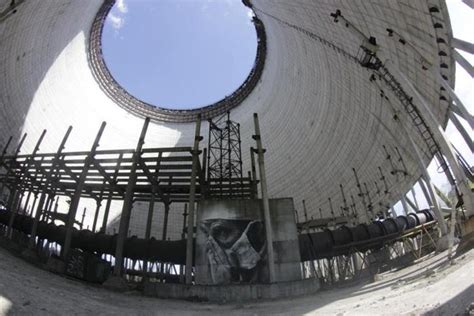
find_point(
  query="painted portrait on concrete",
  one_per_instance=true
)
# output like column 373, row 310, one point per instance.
column 230, row 242
column 234, row 249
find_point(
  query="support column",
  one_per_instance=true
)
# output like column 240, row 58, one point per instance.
column 254, row 172
column 463, row 62
column 421, row 181
column 128, row 202
column 149, row 221
column 19, row 195
column 192, row 197
column 445, row 146
column 9, row 168
column 470, row 3
column 463, row 45
column 71, row 217
column 465, row 134
column 265, row 200
column 414, row 198
column 165, row 220
column 404, row 204
column 54, row 163
column 109, row 198
column 96, row 214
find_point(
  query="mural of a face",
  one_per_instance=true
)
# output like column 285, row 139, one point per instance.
column 235, row 249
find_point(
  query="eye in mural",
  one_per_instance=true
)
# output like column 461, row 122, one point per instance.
column 235, row 250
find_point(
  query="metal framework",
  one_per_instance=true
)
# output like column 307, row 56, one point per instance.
column 224, row 158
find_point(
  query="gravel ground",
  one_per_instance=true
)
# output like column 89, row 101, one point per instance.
column 432, row 286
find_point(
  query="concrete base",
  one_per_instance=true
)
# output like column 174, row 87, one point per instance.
column 117, row 284
column 232, row 293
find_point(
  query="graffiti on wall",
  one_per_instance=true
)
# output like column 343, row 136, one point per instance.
column 234, row 249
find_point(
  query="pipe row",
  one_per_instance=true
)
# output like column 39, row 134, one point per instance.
column 344, row 240
column 135, row 248
column 319, row 245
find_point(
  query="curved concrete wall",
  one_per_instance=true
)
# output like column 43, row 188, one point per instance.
column 320, row 115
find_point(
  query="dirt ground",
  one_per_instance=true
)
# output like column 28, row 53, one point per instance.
column 432, row 286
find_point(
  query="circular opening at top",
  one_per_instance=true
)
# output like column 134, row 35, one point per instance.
column 179, row 54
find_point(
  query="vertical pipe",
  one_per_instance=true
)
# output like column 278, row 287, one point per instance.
column 192, row 191
column 265, row 200
column 128, row 202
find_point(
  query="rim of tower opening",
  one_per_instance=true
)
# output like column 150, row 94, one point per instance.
column 124, row 99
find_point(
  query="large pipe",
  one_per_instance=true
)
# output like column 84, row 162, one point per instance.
column 344, row 240
column 319, row 245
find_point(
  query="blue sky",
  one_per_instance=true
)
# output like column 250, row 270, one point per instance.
column 179, row 53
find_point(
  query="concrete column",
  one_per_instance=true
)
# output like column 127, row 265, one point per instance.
column 71, row 217
column 109, row 198
column 465, row 134
column 149, row 221
column 414, row 198
column 96, row 214
column 464, row 63
column 265, row 200
column 426, row 176
column 254, row 171
column 404, row 204
column 9, row 168
column 421, row 181
column 44, row 191
column 128, row 202
column 25, row 172
column 463, row 45
column 192, row 201
column 470, row 3
column 445, row 146
column 165, row 221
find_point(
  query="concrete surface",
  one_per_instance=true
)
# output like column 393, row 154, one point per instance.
column 431, row 286
column 319, row 114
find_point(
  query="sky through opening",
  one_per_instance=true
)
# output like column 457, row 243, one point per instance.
column 179, row 54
